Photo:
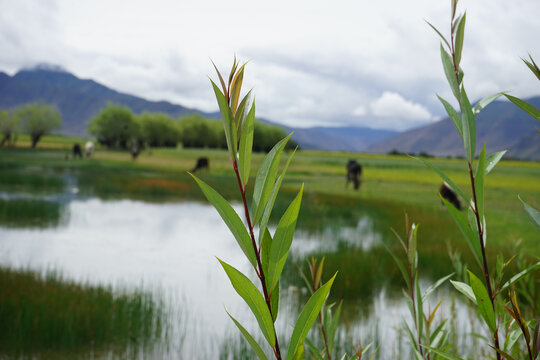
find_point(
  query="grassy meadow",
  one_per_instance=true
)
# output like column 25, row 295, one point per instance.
column 392, row 186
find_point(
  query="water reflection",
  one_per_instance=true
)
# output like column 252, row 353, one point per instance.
column 172, row 248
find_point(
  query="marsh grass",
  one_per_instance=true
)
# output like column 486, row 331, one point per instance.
column 43, row 312
column 30, row 213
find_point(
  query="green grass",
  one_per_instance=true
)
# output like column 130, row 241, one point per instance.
column 43, row 313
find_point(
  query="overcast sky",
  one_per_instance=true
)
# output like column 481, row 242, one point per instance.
column 316, row 62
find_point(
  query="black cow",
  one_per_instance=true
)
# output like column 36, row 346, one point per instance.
column 354, row 173
column 202, row 163
column 450, row 195
column 77, row 151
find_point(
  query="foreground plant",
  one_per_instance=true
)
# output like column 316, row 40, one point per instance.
column 484, row 293
column 425, row 335
column 265, row 252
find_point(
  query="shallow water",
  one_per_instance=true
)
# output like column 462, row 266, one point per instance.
column 171, row 249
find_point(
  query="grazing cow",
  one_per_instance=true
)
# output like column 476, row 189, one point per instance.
column 135, row 149
column 88, row 149
column 354, row 173
column 450, row 195
column 76, row 151
column 202, row 163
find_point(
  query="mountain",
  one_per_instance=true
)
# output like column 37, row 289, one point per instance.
column 501, row 125
column 349, row 138
column 78, row 100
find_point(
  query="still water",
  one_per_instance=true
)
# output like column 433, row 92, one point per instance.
column 171, row 249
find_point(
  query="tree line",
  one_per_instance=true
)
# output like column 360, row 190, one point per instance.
column 117, row 127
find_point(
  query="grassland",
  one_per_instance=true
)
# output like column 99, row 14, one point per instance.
column 391, row 187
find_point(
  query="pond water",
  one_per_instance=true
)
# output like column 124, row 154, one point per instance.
column 171, row 249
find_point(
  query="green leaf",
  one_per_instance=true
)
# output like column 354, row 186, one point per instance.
column 245, row 288
column 470, row 237
column 534, row 214
column 220, row 78
column 231, row 219
column 450, row 72
column 485, row 102
column 444, row 177
column 483, row 301
column 434, row 287
column 236, row 87
column 266, row 177
column 227, row 116
column 274, row 302
column 518, row 276
column 271, row 200
column 454, row 116
column 479, row 182
column 460, row 32
column 439, row 33
column 401, row 267
column 505, row 354
column 413, row 255
column 281, row 243
column 246, row 145
column 464, row 289
column 266, row 244
column 525, row 106
column 241, row 113
column 307, row 317
column 493, row 159
column 254, row 345
column 532, row 66
column 468, row 125
column 419, row 306
column 443, row 354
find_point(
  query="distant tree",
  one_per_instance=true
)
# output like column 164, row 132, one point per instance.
column 266, row 136
column 38, row 119
column 158, row 129
column 200, row 132
column 8, row 127
column 115, row 127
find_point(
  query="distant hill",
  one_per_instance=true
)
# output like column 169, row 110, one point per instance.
column 501, row 125
column 77, row 99
column 350, row 138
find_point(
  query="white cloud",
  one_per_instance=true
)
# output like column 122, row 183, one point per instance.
column 359, row 111
column 301, row 74
column 394, row 105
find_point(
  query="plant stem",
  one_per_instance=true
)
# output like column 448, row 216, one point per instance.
column 484, row 258
column 260, row 272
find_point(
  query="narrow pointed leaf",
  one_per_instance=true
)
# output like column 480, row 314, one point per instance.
column 460, row 32
column 419, row 306
column 223, row 86
column 266, row 244
column 519, row 275
column 450, row 72
column 307, row 317
column 251, row 295
column 485, row 102
column 252, row 342
column 525, row 106
column 236, row 87
column 483, row 301
column 532, row 212
column 274, row 302
column 228, row 122
column 479, row 181
column 281, row 243
column 443, row 354
column 536, row 340
column 503, row 353
column 444, row 177
column 470, row 236
column 266, row 177
column 493, row 159
column 241, row 113
column 468, row 125
column 231, row 219
column 532, row 66
column 400, row 267
column 271, row 200
column 453, row 114
column 434, row 287
column 246, row 145
column 439, row 33
column 464, row 289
